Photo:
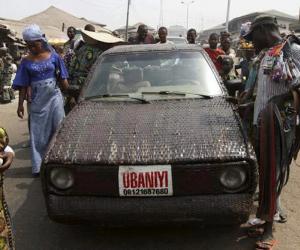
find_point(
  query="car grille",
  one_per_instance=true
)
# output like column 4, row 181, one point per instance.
column 188, row 179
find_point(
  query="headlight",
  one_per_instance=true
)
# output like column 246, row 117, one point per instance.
column 61, row 178
column 233, row 178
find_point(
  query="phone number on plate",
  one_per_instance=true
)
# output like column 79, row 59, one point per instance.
column 149, row 191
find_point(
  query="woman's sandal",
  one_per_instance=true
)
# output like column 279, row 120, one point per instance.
column 266, row 244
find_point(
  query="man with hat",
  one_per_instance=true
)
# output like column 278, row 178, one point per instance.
column 273, row 84
column 94, row 44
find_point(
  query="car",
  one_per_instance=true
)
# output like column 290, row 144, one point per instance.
column 153, row 141
column 177, row 39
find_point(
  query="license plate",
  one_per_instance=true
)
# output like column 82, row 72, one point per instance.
column 154, row 180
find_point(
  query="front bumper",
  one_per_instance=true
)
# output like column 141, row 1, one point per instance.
column 116, row 211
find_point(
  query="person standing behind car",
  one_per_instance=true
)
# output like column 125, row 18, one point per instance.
column 94, row 44
column 191, row 36
column 44, row 72
column 71, row 31
column 68, row 49
column 80, row 66
column 163, row 33
column 214, row 52
column 142, row 37
column 226, row 47
column 227, row 72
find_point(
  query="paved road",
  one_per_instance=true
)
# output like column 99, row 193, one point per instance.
column 34, row 230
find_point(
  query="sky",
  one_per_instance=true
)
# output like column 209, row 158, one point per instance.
column 202, row 13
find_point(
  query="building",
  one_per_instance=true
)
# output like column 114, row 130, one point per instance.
column 204, row 35
column 295, row 27
column 177, row 30
column 284, row 20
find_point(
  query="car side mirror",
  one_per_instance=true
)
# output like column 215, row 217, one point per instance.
column 233, row 86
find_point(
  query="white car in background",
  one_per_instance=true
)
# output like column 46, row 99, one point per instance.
column 177, row 39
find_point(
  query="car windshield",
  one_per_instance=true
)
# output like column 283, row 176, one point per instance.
column 153, row 72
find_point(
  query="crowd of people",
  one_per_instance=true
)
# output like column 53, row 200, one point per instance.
column 269, row 69
column 219, row 49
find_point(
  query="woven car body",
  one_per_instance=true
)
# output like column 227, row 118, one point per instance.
column 162, row 161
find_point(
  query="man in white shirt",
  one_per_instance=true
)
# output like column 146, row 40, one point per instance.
column 163, row 33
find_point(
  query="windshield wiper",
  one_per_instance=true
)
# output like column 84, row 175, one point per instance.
column 166, row 92
column 142, row 100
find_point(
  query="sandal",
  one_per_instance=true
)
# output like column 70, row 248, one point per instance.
column 266, row 244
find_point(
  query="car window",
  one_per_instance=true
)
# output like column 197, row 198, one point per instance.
column 153, row 71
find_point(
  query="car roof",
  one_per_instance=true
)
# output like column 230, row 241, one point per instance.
column 152, row 47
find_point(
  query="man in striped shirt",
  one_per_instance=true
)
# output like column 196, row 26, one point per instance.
column 273, row 84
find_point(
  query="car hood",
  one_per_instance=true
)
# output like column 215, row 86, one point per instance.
column 160, row 132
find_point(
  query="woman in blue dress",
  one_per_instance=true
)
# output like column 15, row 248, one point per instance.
column 42, row 72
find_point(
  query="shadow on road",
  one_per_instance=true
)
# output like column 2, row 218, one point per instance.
column 34, row 230
column 22, row 153
column 23, row 172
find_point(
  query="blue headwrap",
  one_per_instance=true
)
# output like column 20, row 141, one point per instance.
column 33, row 33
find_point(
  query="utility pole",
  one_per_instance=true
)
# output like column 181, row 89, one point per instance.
column 187, row 3
column 227, row 16
column 161, row 14
column 127, row 20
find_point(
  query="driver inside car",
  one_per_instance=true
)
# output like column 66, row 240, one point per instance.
column 133, row 80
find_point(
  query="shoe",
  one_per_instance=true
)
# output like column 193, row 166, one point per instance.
column 35, row 175
column 280, row 217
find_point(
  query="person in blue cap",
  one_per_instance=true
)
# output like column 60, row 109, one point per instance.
column 41, row 75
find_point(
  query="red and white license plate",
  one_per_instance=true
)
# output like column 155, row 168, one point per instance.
column 154, row 180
